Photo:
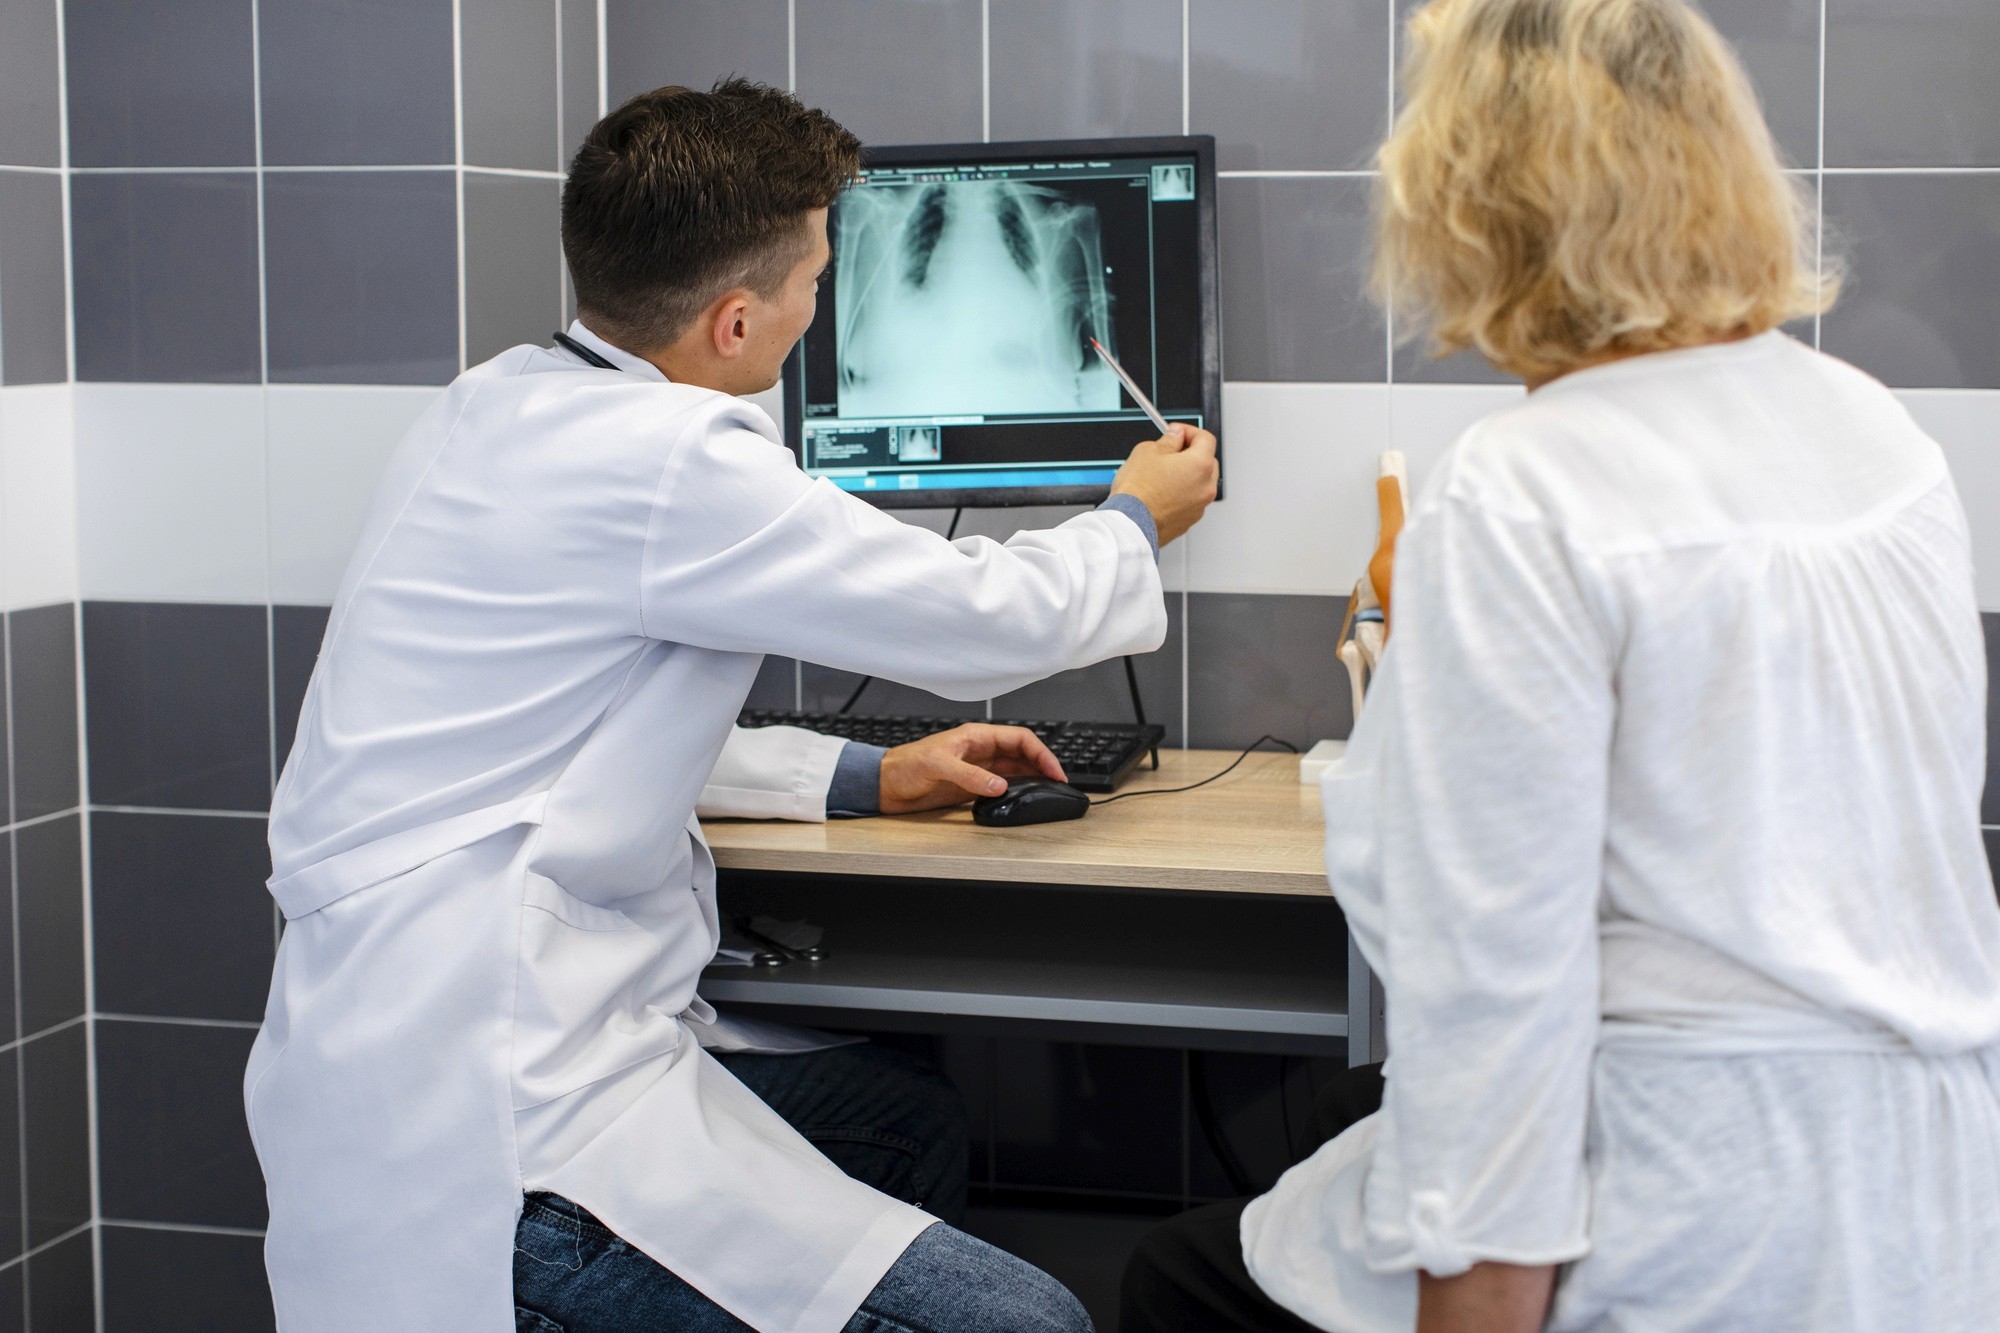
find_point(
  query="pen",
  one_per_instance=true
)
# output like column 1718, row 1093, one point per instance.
column 1138, row 395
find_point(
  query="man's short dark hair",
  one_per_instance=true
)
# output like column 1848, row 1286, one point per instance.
column 679, row 196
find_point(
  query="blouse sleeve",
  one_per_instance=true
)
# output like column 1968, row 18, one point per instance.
column 1486, row 775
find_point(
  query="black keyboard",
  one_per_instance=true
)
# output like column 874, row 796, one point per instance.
column 1097, row 756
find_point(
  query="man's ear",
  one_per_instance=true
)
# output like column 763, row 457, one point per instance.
column 729, row 323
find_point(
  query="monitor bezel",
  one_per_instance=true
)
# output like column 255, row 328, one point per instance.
column 1202, row 148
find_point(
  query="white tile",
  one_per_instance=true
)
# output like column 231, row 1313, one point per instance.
column 1966, row 422
column 170, row 492
column 1299, row 468
column 327, row 448
column 37, row 495
column 1298, row 482
column 1427, row 419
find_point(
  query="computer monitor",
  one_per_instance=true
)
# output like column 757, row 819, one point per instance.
column 949, row 361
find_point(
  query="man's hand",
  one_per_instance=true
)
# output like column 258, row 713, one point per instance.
column 961, row 765
column 1174, row 477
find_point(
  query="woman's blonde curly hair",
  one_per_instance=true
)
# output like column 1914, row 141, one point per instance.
column 1573, row 180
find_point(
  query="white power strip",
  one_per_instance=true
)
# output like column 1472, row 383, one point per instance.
column 1322, row 756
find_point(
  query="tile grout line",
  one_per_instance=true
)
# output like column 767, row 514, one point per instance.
column 1186, row 106
column 294, row 169
column 1819, row 182
column 792, row 46
column 563, row 128
column 1187, row 539
column 523, row 173
column 20, row 1241
column 264, row 405
column 458, row 156
column 95, row 1120
column 53, row 1029
column 177, row 1020
column 562, row 97
column 263, row 277
column 49, row 818
column 603, row 59
column 95, row 808
column 69, row 258
column 1187, row 631
column 1232, row 173
column 985, row 83
column 188, row 1228
column 1912, row 171
column 1307, row 173
column 49, row 1244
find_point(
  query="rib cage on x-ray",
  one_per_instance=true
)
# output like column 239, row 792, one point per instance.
column 970, row 297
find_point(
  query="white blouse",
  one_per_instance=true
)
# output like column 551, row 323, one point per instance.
column 1676, row 751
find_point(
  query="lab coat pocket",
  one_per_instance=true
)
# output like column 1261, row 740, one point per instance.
column 594, row 994
column 549, row 896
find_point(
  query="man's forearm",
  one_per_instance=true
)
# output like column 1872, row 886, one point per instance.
column 1486, row 1298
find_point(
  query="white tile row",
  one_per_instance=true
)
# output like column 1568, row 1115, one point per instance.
column 37, row 496
column 1966, row 423
column 247, row 494
column 1298, row 513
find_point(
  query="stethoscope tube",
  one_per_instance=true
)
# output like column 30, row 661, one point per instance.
column 571, row 345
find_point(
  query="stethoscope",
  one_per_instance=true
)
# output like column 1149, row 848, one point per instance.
column 569, row 344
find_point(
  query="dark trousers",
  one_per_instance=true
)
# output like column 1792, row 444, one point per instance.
column 1188, row 1276
column 887, row 1119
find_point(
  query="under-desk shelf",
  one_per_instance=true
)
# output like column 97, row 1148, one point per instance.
column 1252, row 970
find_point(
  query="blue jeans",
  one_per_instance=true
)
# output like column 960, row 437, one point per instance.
column 886, row 1119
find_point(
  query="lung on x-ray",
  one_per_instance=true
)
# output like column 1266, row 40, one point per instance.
column 970, row 297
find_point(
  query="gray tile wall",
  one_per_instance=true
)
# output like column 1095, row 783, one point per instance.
column 47, row 1205
column 1297, row 93
column 284, row 191
column 257, row 192
column 46, row 1199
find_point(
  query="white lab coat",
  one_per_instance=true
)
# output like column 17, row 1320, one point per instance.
column 498, row 900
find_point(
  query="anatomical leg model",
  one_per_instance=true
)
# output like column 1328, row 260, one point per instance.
column 1365, row 631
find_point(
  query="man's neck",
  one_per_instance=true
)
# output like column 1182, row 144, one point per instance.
column 680, row 362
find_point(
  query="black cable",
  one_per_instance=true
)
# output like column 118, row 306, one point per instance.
column 1138, row 704
column 1211, row 1126
column 866, row 681
column 1132, row 683
column 855, row 697
column 1169, row 791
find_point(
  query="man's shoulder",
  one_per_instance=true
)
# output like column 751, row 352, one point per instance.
column 532, row 385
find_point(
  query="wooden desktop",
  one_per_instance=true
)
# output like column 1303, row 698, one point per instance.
column 1197, row 918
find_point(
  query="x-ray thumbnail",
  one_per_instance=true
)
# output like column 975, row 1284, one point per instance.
column 1172, row 183
column 917, row 444
column 970, row 297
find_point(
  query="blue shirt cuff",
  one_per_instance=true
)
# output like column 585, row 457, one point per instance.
column 857, row 781
column 1135, row 509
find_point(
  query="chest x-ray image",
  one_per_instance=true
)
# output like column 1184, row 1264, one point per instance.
column 970, row 297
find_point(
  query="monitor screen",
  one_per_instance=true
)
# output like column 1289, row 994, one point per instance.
column 950, row 363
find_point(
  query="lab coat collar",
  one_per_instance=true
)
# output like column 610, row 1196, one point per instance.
column 617, row 356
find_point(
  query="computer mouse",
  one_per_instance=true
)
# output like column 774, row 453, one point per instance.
column 1031, row 801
